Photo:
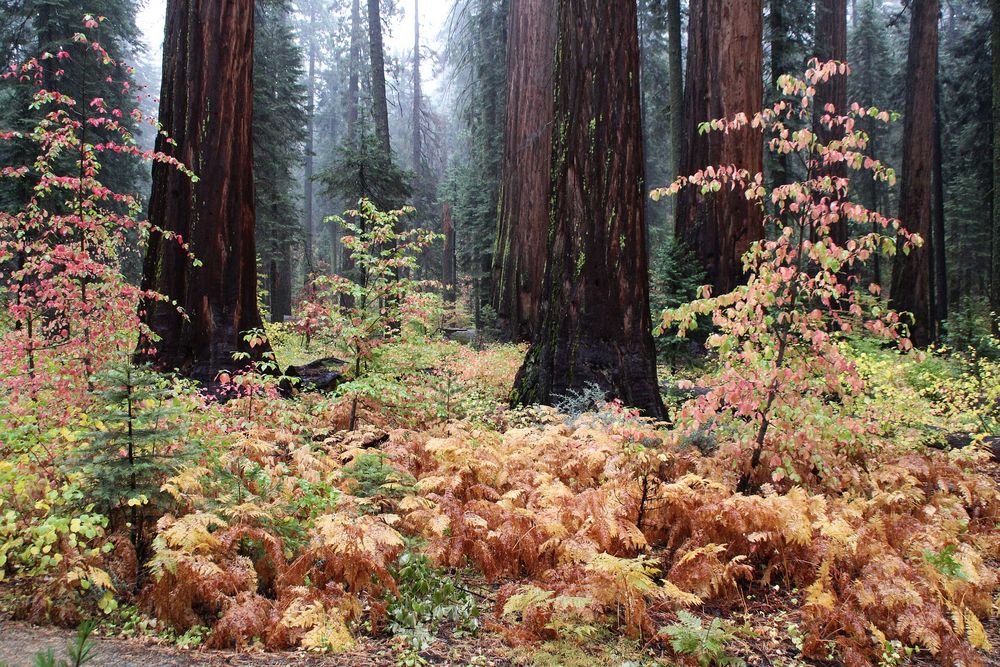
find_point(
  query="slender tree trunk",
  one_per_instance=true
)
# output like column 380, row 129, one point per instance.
column 448, row 273
column 868, row 186
column 492, row 25
column 642, row 8
column 723, row 79
column 595, row 321
column 206, row 107
column 353, row 84
column 995, row 236
column 519, row 256
column 347, row 266
column 380, row 106
column 281, row 286
column 418, row 149
column 676, row 71
column 309, row 223
column 939, row 243
column 911, row 273
column 831, row 44
column 778, row 30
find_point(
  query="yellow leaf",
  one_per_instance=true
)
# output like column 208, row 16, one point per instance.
column 976, row 633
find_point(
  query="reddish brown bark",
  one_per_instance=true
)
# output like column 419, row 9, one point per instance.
column 595, row 322
column 723, row 78
column 519, row 258
column 911, row 273
column 206, row 106
column 676, row 66
column 831, row 44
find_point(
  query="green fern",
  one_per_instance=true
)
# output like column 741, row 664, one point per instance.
column 707, row 645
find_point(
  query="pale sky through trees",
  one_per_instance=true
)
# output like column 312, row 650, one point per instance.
column 399, row 38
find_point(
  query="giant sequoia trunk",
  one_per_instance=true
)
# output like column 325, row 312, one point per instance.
column 831, row 44
column 519, row 258
column 595, row 322
column 911, row 273
column 723, row 79
column 206, row 106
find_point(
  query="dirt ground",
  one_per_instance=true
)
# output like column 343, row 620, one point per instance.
column 19, row 642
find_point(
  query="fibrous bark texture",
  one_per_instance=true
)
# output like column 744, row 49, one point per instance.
column 519, row 258
column 595, row 321
column 206, row 107
column 831, row 44
column 723, row 79
column 911, row 273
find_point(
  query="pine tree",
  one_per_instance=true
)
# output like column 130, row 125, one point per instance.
column 380, row 108
column 278, row 134
column 476, row 56
column 657, row 114
column 872, row 62
column 35, row 27
column 139, row 442
column 965, row 115
column 311, row 48
column 789, row 35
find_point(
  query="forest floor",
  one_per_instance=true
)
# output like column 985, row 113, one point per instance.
column 442, row 470
column 767, row 612
column 19, row 642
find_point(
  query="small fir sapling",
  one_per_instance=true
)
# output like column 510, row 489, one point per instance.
column 139, row 441
column 81, row 650
column 675, row 278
